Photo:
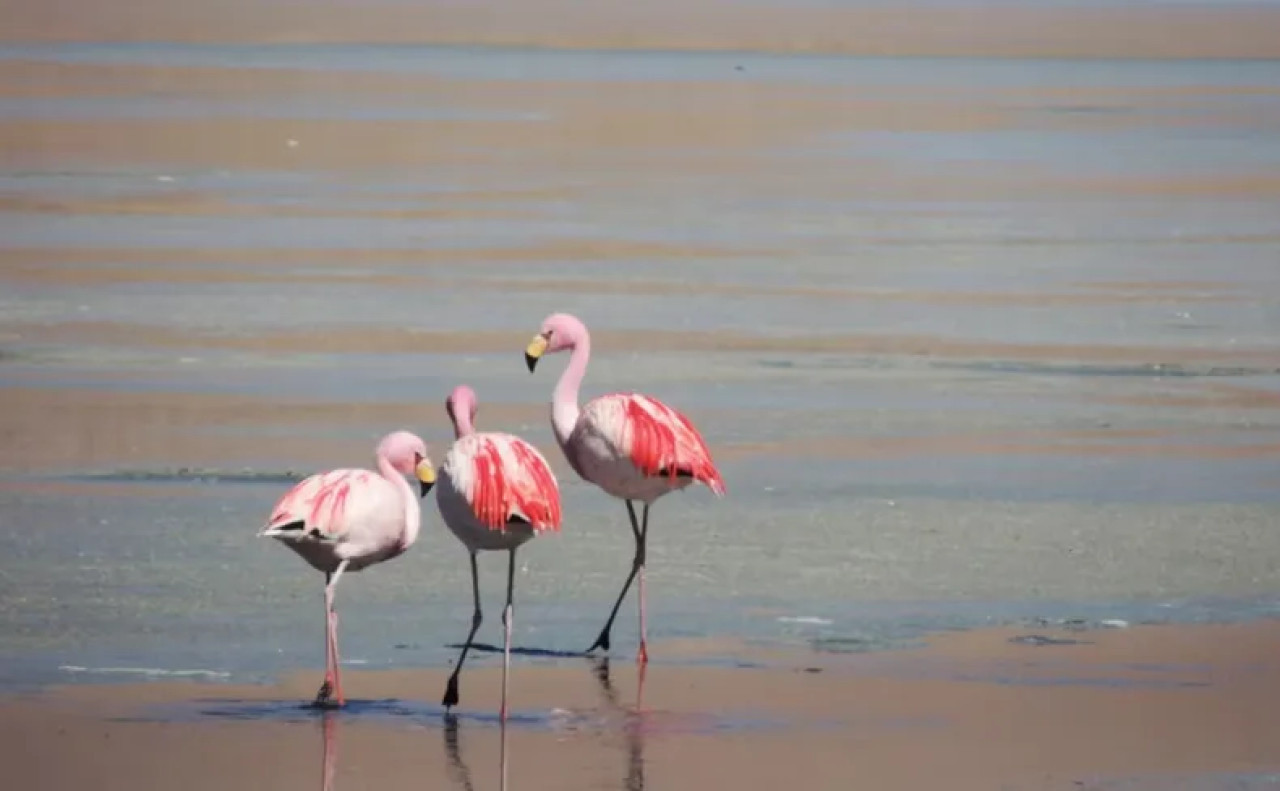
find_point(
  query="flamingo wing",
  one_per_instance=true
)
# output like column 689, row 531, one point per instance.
column 322, row 507
column 659, row 440
column 505, row 479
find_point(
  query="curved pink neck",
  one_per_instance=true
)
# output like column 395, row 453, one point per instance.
column 462, row 425
column 412, row 513
column 564, row 400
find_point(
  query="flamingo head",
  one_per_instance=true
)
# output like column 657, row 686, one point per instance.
column 461, row 405
column 559, row 331
column 407, row 454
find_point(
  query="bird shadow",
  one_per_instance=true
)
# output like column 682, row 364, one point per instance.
column 355, row 710
column 489, row 648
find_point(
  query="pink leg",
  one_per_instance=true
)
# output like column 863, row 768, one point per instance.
column 332, row 683
column 326, row 688
column 642, row 656
column 640, row 688
column 507, row 614
column 337, row 673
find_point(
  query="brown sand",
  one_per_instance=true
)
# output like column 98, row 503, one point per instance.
column 1205, row 397
column 581, row 121
column 44, row 429
column 972, row 711
column 49, row 268
column 570, row 122
column 21, row 263
column 1240, row 31
column 644, row 131
column 349, row 340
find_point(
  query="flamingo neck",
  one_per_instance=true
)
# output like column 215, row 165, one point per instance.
column 462, row 425
column 564, row 400
column 412, row 513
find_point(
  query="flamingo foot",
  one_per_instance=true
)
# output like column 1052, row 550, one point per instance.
column 602, row 642
column 324, row 697
column 450, row 698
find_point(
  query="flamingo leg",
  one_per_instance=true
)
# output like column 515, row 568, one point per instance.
column 508, row 613
column 642, row 654
column 451, row 691
column 332, row 679
column 637, row 563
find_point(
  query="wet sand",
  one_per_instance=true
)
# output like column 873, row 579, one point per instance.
column 1149, row 707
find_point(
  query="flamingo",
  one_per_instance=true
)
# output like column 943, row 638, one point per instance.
column 349, row 519
column 632, row 446
column 496, row 492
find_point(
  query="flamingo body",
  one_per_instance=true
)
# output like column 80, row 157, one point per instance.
column 496, row 492
column 349, row 519
column 635, row 447
column 632, row 446
column 348, row 514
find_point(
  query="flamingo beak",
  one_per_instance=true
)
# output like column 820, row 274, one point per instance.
column 534, row 351
column 426, row 476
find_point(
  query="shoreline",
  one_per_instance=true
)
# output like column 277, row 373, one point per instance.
column 1067, row 710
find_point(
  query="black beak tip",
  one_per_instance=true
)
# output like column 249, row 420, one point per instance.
column 423, row 488
column 530, row 361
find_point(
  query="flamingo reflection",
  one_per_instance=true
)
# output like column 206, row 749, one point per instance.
column 459, row 771
column 632, row 723
column 329, row 751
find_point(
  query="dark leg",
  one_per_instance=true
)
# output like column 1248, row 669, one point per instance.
column 642, row 654
column 636, row 564
column 451, row 691
column 507, row 613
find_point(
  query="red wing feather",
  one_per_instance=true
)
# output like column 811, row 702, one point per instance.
column 663, row 441
column 518, row 483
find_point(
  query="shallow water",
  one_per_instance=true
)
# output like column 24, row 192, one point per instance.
column 1054, row 481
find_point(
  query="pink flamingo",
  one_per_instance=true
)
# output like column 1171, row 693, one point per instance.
column 349, row 519
column 632, row 446
column 496, row 492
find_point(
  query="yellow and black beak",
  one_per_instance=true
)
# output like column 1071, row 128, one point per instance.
column 534, row 351
column 426, row 476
